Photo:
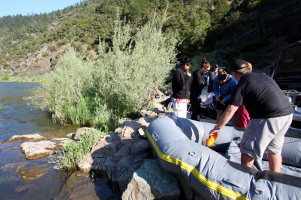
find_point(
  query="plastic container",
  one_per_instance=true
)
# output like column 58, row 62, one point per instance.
column 210, row 141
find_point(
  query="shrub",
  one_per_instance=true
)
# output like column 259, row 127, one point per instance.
column 4, row 78
column 231, row 54
column 255, row 44
column 134, row 66
column 45, row 54
column 51, row 48
column 61, row 42
column 117, row 85
column 73, row 152
column 251, row 57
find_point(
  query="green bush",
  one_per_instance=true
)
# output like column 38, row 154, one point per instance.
column 251, row 57
column 45, row 54
column 255, row 44
column 61, row 42
column 52, row 48
column 4, row 78
column 117, row 85
column 73, row 152
column 232, row 53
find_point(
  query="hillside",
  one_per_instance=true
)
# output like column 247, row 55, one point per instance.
column 253, row 30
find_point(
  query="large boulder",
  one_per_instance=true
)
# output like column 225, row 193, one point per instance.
column 118, row 154
column 37, row 150
column 81, row 131
column 151, row 181
column 29, row 137
column 34, row 172
column 40, row 149
column 81, row 187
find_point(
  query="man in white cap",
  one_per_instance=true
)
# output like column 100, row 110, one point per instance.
column 270, row 112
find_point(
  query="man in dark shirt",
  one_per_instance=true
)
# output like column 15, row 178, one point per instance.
column 270, row 112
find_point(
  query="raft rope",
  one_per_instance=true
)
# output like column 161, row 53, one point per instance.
column 214, row 186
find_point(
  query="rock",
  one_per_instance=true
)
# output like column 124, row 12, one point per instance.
column 118, row 155
column 142, row 133
column 81, row 131
column 141, row 148
column 148, row 113
column 151, row 181
column 103, row 147
column 30, row 137
column 145, row 121
column 61, row 141
column 70, row 135
column 124, row 151
column 128, row 130
column 85, row 165
column 79, row 187
column 34, row 172
column 36, row 150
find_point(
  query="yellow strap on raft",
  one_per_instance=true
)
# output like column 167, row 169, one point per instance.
column 214, row 186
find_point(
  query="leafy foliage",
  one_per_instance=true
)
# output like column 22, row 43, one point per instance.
column 118, row 84
column 88, row 21
column 73, row 152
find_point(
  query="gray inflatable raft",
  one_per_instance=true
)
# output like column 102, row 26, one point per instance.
column 180, row 147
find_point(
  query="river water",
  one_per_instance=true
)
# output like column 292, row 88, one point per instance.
column 18, row 118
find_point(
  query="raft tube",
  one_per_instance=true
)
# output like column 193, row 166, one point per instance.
column 180, row 147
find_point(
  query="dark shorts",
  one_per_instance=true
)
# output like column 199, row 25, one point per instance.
column 222, row 106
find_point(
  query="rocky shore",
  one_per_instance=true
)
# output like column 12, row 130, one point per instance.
column 121, row 165
column 125, row 159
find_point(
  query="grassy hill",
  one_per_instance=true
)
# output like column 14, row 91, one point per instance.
column 253, row 30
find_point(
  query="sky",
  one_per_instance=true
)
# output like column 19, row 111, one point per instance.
column 25, row 7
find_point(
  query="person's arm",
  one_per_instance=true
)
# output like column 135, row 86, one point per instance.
column 227, row 115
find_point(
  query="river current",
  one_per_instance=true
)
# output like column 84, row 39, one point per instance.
column 39, row 180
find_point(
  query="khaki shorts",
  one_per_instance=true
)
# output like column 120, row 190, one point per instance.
column 265, row 135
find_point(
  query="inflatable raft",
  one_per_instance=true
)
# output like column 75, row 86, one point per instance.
column 216, row 172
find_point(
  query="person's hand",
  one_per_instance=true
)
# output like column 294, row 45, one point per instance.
column 222, row 101
column 188, row 74
column 212, row 132
column 217, row 99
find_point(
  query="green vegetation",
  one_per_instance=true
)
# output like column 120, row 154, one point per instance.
column 73, row 152
column 4, row 78
column 20, row 167
column 108, row 56
column 18, row 77
column 87, row 22
column 118, row 84
column 11, row 176
column 201, row 25
column 255, row 45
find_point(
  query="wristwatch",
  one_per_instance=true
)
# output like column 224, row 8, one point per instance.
column 216, row 128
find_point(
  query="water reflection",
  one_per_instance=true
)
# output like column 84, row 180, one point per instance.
column 18, row 118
